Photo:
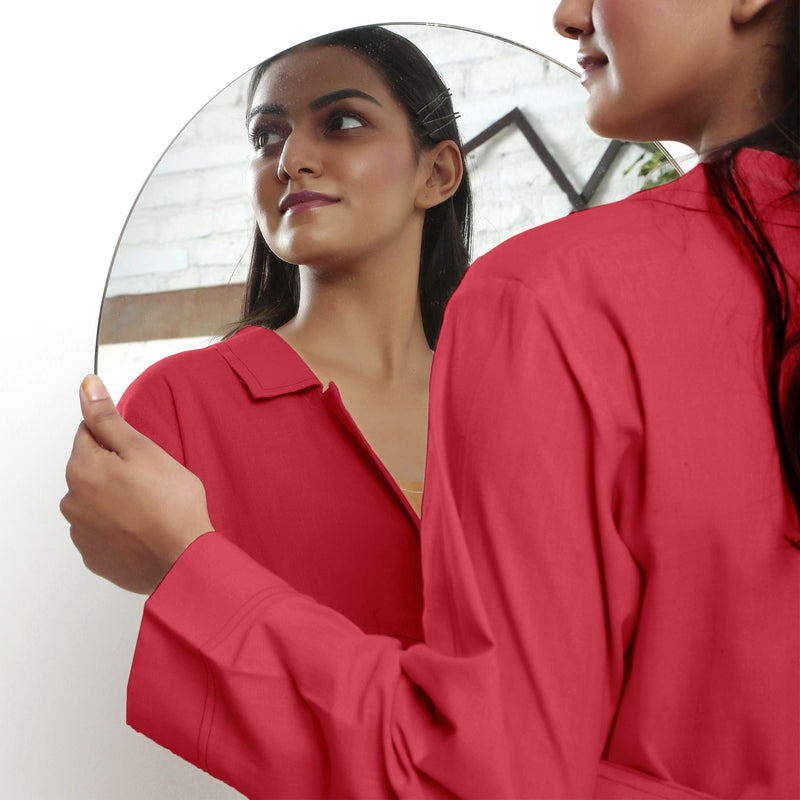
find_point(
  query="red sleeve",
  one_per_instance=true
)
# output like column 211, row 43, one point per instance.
column 529, row 601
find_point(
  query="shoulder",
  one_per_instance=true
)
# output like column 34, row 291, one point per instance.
column 615, row 237
column 636, row 279
column 251, row 343
column 254, row 357
column 161, row 388
column 187, row 365
column 612, row 258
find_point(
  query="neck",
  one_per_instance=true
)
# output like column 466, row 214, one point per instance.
column 365, row 322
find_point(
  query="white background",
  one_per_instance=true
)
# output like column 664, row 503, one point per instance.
column 92, row 93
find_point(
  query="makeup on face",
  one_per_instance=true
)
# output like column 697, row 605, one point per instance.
column 333, row 168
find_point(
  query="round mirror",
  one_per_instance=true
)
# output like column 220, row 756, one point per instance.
column 178, row 273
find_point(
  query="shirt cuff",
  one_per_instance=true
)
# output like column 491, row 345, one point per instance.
column 209, row 590
column 212, row 584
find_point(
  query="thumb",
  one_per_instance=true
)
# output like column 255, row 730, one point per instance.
column 101, row 416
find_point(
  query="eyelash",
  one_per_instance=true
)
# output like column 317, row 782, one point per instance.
column 259, row 133
column 338, row 115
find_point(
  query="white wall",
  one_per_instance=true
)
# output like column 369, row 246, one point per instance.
column 92, row 94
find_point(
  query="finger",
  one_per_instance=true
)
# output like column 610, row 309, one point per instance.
column 101, row 417
column 65, row 506
column 84, row 442
column 85, row 450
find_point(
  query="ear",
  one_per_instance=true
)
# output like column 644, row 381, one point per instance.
column 442, row 170
column 743, row 11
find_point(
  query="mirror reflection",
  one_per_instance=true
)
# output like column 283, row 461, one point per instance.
column 178, row 274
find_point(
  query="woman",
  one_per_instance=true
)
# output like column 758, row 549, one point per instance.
column 610, row 530
column 316, row 409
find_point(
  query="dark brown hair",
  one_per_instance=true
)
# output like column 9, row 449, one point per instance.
column 781, row 340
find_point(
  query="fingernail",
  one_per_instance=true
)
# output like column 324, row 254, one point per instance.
column 94, row 388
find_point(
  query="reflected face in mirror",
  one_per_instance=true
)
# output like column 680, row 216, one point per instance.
column 334, row 172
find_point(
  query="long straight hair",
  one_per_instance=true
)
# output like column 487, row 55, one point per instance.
column 272, row 293
column 781, row 337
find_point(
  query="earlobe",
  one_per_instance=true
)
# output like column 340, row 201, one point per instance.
column 443, row 173
column 743, row 11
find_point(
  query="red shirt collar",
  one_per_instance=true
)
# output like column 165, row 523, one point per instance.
column 266, row 364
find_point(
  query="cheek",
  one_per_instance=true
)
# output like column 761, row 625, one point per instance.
column 622, row 23
column 260, row 190
column 625, row 33
column 399, row 178
column 258, row 182
column 389, row 167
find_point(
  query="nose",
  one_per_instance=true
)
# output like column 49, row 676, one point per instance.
column 298, row 157
column 573, row 18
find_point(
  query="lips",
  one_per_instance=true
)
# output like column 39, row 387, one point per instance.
column 304, row 201
column 590, row 62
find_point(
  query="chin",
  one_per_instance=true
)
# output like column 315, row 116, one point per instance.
column 653, row 122
column 614, row 128
column 599, row 120
column 304, row 250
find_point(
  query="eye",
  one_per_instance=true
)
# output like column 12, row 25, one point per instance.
column 341, row 121
column 263, row 137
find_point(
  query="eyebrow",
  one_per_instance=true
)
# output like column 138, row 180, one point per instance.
column 341, row 94
column 276, row 109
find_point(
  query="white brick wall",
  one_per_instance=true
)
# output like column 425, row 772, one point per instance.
column 191, row 222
